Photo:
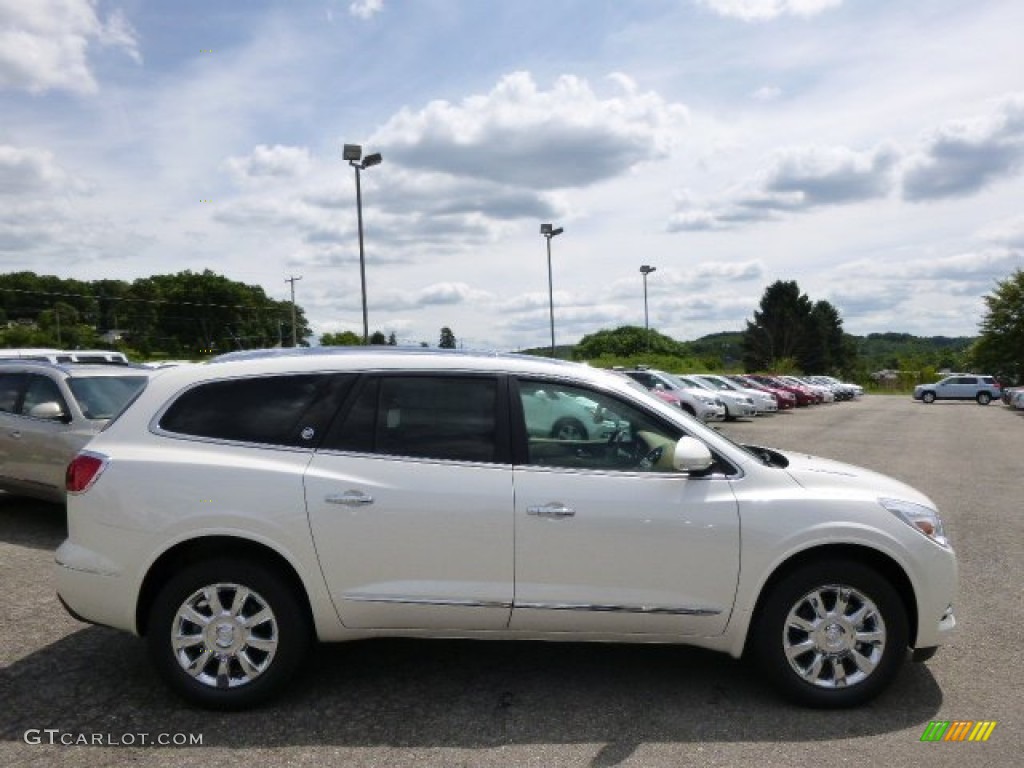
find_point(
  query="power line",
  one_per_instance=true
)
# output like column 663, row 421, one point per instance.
column 177, row 302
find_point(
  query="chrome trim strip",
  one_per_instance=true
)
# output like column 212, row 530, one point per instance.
column 644, row 609
column 438, row 601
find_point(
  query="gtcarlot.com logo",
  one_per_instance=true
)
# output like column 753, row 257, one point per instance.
column 958, row 730
column 55, row 736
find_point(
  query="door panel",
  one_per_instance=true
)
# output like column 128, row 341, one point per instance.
column 412, row 543
column 639, row 553
column 610, row 538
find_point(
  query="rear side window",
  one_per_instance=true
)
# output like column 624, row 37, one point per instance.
column 290, row 410
column 432, row 417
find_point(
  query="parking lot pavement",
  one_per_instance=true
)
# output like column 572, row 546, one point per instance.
column 457, row 703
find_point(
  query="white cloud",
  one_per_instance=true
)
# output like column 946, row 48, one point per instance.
column 44, row 43
column 365, row 9
column 276, row 161
column 962, row 157
column 797, row 179
column 28, row 171
column 765, row 10
column 1009, row 232
column 520, row 135
column 767, row 93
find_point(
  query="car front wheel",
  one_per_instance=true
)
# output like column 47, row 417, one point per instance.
column 832, row 634
column 928, row 397
column 227, row 634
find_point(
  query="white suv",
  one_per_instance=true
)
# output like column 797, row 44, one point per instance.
column 238, row 510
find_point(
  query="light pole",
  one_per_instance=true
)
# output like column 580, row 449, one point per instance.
column 352, row 153
column 295, row 332
column 645, row 271
column 548, row 232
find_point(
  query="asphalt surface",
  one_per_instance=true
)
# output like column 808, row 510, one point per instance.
column 456, row 703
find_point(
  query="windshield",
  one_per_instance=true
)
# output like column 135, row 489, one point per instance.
column 102, row 397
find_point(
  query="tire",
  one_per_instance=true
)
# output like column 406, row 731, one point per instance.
column 233, row 666
column 928, row 397
column 689, row 409
column 833, row 670
column 984, row 398
column 568, row 428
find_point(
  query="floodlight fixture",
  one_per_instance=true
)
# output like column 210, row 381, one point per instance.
column 371, row 160
column 352, row 152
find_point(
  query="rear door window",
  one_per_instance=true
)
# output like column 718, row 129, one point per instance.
column 444, row 417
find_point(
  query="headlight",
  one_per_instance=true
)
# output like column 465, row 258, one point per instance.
column 924, row 519
column 705, row 400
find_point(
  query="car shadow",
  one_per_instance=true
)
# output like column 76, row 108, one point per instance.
column 32, row 523
column 450, row 693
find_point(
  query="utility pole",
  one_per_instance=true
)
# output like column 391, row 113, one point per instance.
column 295, row 336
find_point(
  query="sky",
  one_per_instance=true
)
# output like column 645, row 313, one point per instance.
column 871, row 150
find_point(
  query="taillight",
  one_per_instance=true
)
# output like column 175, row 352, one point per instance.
column 83, row 471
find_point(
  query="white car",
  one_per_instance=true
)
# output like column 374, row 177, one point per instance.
column 236, row 511
column 764, row 402
column 737, row 405
column 696, row 401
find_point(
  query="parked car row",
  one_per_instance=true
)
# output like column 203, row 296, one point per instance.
column 718, row 397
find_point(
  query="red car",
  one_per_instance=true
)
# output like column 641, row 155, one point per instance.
column 803, row 395
column 785, row 400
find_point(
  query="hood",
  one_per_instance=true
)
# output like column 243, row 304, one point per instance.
column 837, row 478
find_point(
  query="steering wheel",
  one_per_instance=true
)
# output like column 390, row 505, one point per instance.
column 651, row 458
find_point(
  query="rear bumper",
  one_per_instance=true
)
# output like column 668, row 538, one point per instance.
column 92, row 590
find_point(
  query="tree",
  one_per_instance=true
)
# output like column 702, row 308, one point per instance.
column 1000, row 349
column 447, row 338
column 378, row 338
column 824, row 348
column 779, row 329
column 392, row 339
column 626, row 341
column 343, row 339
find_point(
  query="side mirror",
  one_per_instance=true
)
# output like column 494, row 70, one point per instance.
column 691, row 455
column 49, row 410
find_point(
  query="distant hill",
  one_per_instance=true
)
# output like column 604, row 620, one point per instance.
column 876, row 351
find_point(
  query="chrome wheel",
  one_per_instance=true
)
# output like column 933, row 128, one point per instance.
column 224, row 635
column 834, row 636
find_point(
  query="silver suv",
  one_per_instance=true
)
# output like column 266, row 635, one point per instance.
column 961, row 386
column 48, row 412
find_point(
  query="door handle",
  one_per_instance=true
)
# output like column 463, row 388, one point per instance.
column 349, row 498
column 554, row 509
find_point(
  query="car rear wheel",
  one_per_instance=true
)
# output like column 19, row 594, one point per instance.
column 832, row 634
column 928, row 397
column 569, row 429
column 227, row 634
column 984, row 398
